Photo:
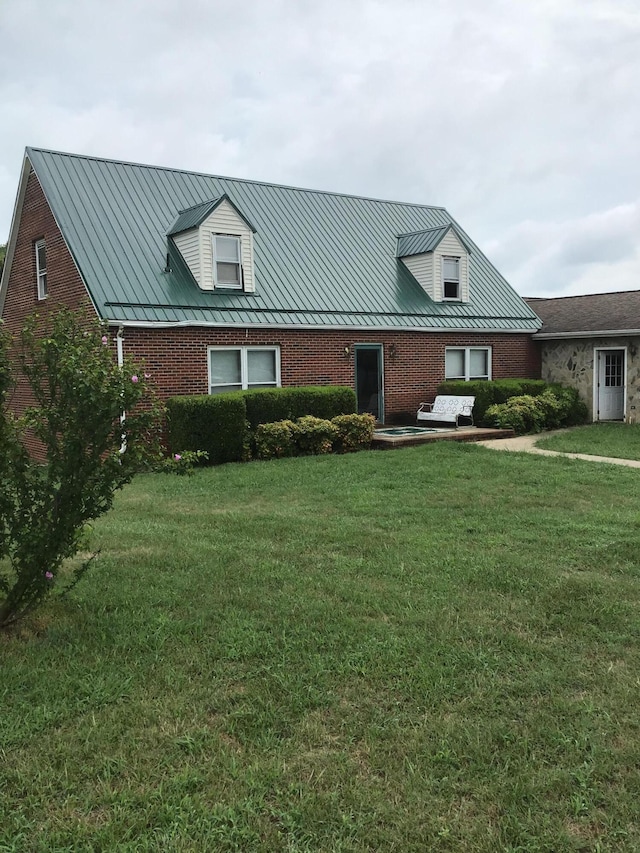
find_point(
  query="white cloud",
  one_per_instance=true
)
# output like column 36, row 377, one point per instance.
column 596, row 253
column 516, row 117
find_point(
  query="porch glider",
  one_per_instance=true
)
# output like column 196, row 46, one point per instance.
column 449, row 409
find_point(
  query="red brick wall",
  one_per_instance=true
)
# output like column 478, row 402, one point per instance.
column 177, row 358
column 64, row 285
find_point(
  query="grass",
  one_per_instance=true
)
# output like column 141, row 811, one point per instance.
column 601, row 439
column 428, row 649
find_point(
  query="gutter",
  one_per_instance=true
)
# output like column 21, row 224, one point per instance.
column 599, row 333
column 182, row 324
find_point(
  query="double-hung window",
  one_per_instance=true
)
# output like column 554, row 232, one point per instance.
column 467, row 363
column 451, row 278
column 227, row 269
column 41, row 268
column 240, row 368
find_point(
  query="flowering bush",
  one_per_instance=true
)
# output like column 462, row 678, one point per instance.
column 91, row 447
column 181, row 463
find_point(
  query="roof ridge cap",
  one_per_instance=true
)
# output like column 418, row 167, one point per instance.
column 426, row 230
column 230, row 178
column 579, row 295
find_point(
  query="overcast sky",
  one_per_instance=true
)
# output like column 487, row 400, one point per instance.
column 521, row 118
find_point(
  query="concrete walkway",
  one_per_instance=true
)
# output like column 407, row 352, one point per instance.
column 527, row 444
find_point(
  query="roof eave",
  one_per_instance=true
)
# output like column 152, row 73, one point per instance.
column 167, row 324
column 13, row 230
column 593, row 333
column 15, row 224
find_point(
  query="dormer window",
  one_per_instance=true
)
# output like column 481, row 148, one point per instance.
column 451, row 278
column 227, row 265
column 215, row 241
column 439, row 259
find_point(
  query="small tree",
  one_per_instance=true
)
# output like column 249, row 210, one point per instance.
column 91, row 450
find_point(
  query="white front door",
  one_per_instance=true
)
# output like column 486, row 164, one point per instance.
column 610, row 390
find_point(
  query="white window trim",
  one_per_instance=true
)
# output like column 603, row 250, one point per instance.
column 244, row 369
column 226, row 285
column 457, row 281
column 467, row 361
column 41, row 274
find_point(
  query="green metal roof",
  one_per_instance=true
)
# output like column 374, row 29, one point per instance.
column 321, row 259
column 420, row 242
column 196, row 215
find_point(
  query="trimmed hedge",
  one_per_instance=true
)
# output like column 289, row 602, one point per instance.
column 311, row 435
column 222, row 424
column 492, row 392
column 268, row 405
column 213, row 423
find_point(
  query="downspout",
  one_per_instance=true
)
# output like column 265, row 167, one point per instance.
column 120, row 345
column 120, row 355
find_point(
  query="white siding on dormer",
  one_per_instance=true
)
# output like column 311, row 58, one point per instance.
column 225, row 220
column 188, row 244
column 450, row 246
column 421, row 267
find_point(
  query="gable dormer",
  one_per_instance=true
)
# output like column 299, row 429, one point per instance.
column 216, row 242
column 438, row 259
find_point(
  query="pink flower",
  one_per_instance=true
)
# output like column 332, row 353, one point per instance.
column 177, row 457
column 147, row 376
column 105, row 340
column 48, row 576
column 134, row 378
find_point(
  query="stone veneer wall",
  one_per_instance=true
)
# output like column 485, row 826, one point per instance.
column 571, row 363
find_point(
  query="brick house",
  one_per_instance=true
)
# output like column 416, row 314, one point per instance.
column 221, row 284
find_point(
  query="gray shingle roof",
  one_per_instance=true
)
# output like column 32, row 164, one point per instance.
column 320, row 258
column 597, row 312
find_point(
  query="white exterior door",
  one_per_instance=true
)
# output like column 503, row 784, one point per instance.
column 611, row 382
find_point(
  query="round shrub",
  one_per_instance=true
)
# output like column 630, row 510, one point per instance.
column 521, row 414
column 314, row 435
column 275, row 441
column 355, row 432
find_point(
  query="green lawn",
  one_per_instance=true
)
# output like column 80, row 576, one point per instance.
column 433, row 649
column 602, row 439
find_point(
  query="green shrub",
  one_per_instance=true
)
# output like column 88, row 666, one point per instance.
column 555, row 407
column 494, row 391
column 277, row 404
column 551, row 408
column 355, row 432
column 314, row 435
column 574, row 410
column 521, row 414
column 274, row 441
column 214, row 423
column 79, row 394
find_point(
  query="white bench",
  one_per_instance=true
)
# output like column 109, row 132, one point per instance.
column 447, row 408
